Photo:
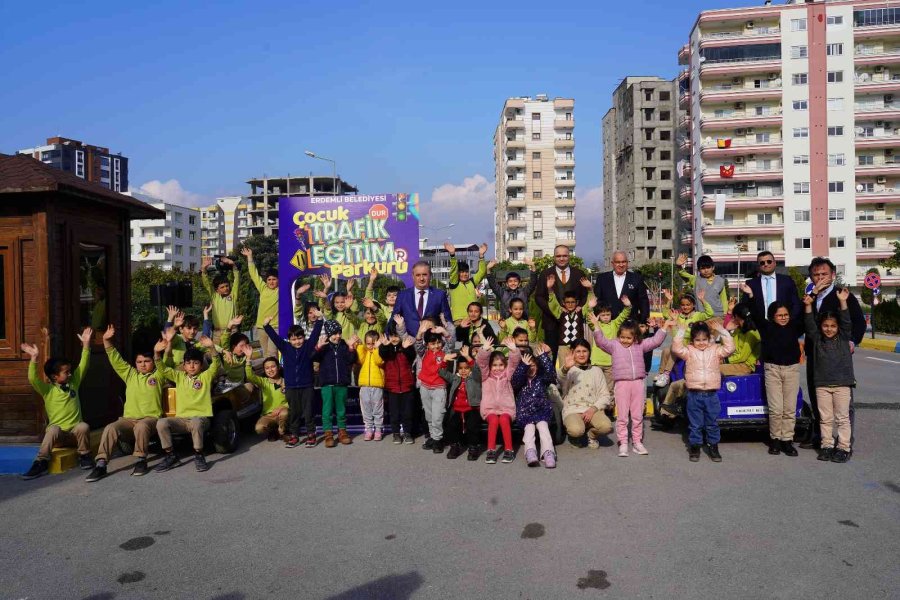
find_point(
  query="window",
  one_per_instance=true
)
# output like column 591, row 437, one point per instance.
column 835, row 104
column 866, row 188
column 665, row 135
column 835, row 186
column 536, row 175
column 801, row 159
column 535, row 136
column 535, row 156
column 665, row 115
column 763, row 138
column 865, row 215
column 835, row 214
column 763, row 245
column 865, row 160
column 801, row 216
column 802, row 243
column 799, row 52
column 801, row 187
column 537, row 214
column 178, row 217
column 651, row 193
column 799, row 79
column 193, row 251
column 667, row 254
column 538, row 235
column 569, row 156
column 836, row 131
column 665, row 194
column 798, row 24
column 650, row 233
column 834, row 49
column 665, row 215
column 193, row 266
column 764, row 219
column 650, row 172
column 649, row 153
column 665, row 175
column 665, row 96
column 801, row 132
column 192, row 235
column 648, row 134
column 836, row 242
column 536, row 195
column 192, row 220
column 178, row 233
column 835, row 76
column 836, row 160
column 665, row 155
column 834, row 20
column 568, row 116
column 79, row 163
column 93, row 277
column 179, row 250
column 867, row 242
column 568, row 135
column 800, row 104
column 535, row 116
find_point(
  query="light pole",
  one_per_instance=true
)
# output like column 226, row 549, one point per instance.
column 312, row 154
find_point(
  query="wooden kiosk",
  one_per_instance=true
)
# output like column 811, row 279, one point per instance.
column 64, row 264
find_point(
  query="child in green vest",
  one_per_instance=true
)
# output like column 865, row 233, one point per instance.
column 268, row 302
column 684, row 317
column 462, row 288
column 223, row 294
column 273, row 419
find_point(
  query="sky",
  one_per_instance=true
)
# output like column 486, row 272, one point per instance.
column 404, row 96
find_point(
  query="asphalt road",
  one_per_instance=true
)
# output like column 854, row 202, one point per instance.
column 383, row 521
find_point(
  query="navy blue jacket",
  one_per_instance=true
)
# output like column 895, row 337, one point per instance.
column 335, row 362
column 298, row 368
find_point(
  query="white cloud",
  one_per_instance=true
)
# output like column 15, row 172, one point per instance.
column 589, row 224
column 171, row 191
column 469, row 206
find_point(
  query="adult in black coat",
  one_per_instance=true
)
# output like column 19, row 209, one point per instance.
column 612, row 285
column 568, row 279
column 785, row 288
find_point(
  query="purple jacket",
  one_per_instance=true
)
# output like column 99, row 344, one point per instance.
column 628, row 363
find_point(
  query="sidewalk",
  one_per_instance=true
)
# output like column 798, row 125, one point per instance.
column 883, row 342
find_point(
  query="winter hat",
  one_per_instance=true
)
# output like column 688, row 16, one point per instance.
column 332, row 327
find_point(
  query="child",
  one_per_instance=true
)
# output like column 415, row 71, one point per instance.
column 223, row 294
column 572, row 318
column 473, row 323
column 432, row 388
column 462, row 287
column 703, row 379
column 610, row 329
column 187, row 326
column 342, row 307
column 234, row 359
column 585, row 396
column 517, row 320
column 781, row 361
column 463, row 403
column 399, row 356
column 275, row 411
column 498, row 403
column 714, row 287
column 312, row 315
column 62, row 405
column 684, row 319
column 513, row 289
column 143, row 407
column 297, row 355
column 268, row 302
column 832, row 374
column 193, row 410
column 386, row 308
column 373, row 322
column 629, row 371
column 534, row 409
column 336, row 358
column 371, row 385
column 742, row 328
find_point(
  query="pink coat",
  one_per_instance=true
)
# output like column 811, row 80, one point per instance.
column 628, row 363
column 701, row 367
column 497, row 397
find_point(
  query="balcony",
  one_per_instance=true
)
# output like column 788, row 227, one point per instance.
column 564, row 124
column 685, row 192
column 687, row 238
column 684, row 55
column 875, row 84
column 515, row 223
column 740, row 147
column 886, row 280
column 687, row 171
column 685, row 144
column 880, row 112
column 741, row 118
column 515, row 183
column 742, row 227
column 515, row 123
column 743, row 174
column 515, row 142
column 745, row 201
column 743, row 36
column 686, row 216
column 737, row 66
column 684, row 100
column 725, row 92
column 563, row 103
column 730, row 254
column 886, row 224
column 515, row 243
column 875, row 140
column 564, row 202
column 886, row 196
column 515, row 163
column 868, row 31
column 882, row 166
column 562, row 143
column 564, row 162
column 685, row 122
column 877, row 58
column 565, row 241
column 564, row 182
column 565, row 221
column 683, row 74
column 516, row 202
column 880, row 251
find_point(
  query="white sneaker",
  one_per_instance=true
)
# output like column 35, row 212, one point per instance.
column 623, row 449
column 638, row 448
column 593, row 444
column 662, row 380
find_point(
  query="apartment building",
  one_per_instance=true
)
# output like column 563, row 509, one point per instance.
column 534, row 162
column 792, row 129
column 91, row 163
column 639, row 170
column 170, row 243
column 265, row 192
column 223, row 225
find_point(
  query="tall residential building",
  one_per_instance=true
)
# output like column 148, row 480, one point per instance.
column 91, row 163
column 265, row 191
column 170, row 243
column 223, row 225
column 639, row 174
column 534, row 162
column 793, row 133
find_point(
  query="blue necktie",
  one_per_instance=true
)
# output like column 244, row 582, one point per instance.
column 770, row 297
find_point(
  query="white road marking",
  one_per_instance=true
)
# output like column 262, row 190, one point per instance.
column 896, row 362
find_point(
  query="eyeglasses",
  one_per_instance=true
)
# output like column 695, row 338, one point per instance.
column 766, row 262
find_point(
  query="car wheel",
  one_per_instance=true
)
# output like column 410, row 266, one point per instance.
column 806, row 431
column 224, row 431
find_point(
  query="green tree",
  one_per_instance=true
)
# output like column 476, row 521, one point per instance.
column 546, row 261
column 265, row 257
column 894, row 261
column 799, row 277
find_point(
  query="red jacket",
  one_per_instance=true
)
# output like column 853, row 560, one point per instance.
column 432, row 362
column 398, row 368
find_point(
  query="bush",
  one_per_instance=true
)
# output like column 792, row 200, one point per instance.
column 887, row 317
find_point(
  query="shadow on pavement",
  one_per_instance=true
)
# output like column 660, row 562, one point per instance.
column 393, row 587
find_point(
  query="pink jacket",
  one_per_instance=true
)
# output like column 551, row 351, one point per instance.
column 497, row 396
column 628, row 363
column 701, row 367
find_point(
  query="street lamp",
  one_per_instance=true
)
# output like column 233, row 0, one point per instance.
column 312, row 154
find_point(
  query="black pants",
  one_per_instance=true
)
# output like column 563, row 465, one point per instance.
column 400, row 410
column 300, row 409
column 463, row 428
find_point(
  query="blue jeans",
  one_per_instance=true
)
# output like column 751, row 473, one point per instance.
column 702, row 411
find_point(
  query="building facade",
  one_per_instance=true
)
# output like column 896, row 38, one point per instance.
column 534, row 162
column 265, row 192
column 793, row 130
column 639, row 170
column 169, row 243
column 91, row 163
column 223, row 225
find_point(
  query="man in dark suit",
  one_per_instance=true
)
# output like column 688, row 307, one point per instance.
column 422, row 299
column 568, row 279
column 770, row 286
column 612, row 285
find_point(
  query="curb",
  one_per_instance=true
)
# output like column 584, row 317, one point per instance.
column 882, row 345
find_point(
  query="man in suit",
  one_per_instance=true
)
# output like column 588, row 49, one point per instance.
column 823, row 274
column 770, row 286
column 568, row 279
column 612, row 285
column 422, row 299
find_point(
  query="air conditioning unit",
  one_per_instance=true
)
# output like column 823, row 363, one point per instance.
column 879, row 123
column 737, row 80
column 740, row 131
column 749, row 25
column 751, row 184
column 749, row 130
column 738, row 160
column 773, row 76
column 879, row 207
column 751, row 157
column 888, row 152
column 888, row 98
column 881, row 180
column 739, row 239
column 739, row 106
column 879, row 69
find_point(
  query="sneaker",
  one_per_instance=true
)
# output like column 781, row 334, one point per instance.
column 408, row 439
column 438, row 447
column 169, row 461
column 474, row 452
column 38, row 468
column 508, row 456
column 454, row 452
column 774, row 447
column 98, row 473
column 714, row 453
column 788, row 449
column 329, row 439
column 694, row 453
column 531, row 457
column 140, row 468
column 549, row 459
column 592, row 443
column 623, row 450
column 662, row 380
column 397, row 438
column 344, row 437
column 840, row 456
column 85, row 462
column 825, row 454
column 377, row 435
column 292, row 442
column 428, row 445
column 490, row 457
column 200, row 463
column 367, row 437
column 638, row 448
column 311, row 440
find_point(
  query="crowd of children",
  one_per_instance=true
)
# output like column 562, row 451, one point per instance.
column 460, row 375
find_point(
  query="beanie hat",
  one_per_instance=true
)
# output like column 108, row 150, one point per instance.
column 332, row 327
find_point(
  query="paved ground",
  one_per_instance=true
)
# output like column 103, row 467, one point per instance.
column 382, row 521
